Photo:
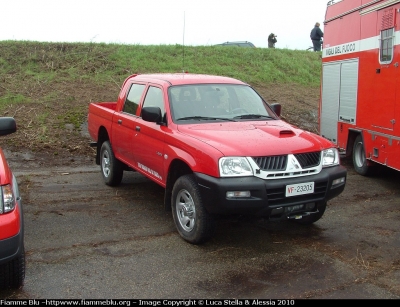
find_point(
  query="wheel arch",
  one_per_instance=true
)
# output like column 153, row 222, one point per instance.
column 353, row 133
column 102, row 137
column 177, row 169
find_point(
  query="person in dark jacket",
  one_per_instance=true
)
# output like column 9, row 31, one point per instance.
column 316, row 36
column 272, row 40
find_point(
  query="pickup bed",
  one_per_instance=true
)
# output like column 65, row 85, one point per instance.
column 217, row 147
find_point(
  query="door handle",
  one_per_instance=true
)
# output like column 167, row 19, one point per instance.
column 137, row 128
column 119, row 122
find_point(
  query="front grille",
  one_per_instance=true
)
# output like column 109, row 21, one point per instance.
column 309, row 159
column 272, row 163
column 279, row 163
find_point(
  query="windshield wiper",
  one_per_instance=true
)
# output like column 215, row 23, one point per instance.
column 205, row 118
column 251, row 116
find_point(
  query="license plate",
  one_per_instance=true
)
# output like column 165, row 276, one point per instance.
column 299, row 189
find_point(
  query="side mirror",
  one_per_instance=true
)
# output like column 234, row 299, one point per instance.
column 8, row 125
column 151, row 114
column 277, row 108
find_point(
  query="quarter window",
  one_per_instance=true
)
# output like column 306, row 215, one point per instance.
column 133, row 98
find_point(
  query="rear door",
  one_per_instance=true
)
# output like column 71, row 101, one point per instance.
column 149, row 138
column 124, row 124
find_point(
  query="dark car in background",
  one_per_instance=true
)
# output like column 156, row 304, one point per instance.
column 238, row 44
column 12, row 251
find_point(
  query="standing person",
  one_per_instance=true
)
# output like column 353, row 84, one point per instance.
column 316, row 36
column 272, row 40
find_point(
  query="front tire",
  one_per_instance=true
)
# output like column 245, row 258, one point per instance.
column 194, row 224
column 361, row 165
column 111, row 168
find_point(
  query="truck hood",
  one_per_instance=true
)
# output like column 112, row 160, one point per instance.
column 256, row 138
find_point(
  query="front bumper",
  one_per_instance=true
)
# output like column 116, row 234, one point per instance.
column 11, row 248
column 268, row 195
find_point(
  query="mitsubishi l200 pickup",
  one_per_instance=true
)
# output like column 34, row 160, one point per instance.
column 217, row 148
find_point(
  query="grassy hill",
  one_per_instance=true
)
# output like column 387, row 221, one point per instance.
column 47, row 87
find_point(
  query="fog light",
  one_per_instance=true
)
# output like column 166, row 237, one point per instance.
column 236, row 194
column 310, row 206
column 338, row 181
column 294, row 208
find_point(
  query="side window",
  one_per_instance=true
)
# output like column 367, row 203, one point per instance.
column 386, row 20
column 386, row 46
column 133, row 98
column 154, row 98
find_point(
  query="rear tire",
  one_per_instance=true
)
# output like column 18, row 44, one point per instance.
column 193, row 222
column 361, row 165
column 111, row 168
column 12, row 273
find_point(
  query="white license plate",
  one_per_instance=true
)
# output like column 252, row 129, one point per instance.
column 299, row 189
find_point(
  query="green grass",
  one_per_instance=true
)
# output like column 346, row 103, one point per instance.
column 100, row 62
column 30, row 71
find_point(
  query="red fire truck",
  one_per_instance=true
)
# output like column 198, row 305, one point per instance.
column 359, row 106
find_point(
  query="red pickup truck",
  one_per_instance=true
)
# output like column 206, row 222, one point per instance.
column 217, row 147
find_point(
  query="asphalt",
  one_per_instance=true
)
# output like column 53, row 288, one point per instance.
column 87, row 240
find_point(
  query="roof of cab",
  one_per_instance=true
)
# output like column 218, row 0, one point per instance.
column 185, row 78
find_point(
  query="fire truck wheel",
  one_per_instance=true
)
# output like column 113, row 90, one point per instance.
column 111, row 168
column 361, row 165
column 193, row 222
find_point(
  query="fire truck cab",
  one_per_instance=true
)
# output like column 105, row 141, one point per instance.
column 359, row 106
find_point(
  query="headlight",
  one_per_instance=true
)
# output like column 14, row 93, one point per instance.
column 234, row 167
column 7, row 199
column 330, row 157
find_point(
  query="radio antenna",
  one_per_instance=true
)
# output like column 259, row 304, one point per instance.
column 183, row 44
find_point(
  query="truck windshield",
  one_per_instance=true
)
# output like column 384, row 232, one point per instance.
column 218, row 101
